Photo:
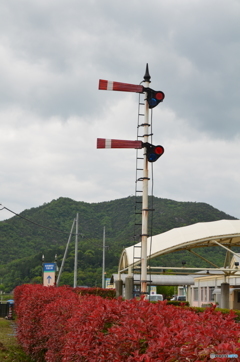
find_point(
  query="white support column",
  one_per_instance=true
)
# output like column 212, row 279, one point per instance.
column 199, row 294
column 224, row 296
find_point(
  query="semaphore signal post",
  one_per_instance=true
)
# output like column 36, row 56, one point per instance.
column 150, row 152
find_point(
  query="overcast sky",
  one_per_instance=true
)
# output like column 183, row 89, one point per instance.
column 52, row 55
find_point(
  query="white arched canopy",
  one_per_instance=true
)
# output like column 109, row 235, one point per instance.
column 225, row 233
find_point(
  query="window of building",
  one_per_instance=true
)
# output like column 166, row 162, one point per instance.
column 195, row 294
column 205, row 294
column 180, row 291
column 211, row 295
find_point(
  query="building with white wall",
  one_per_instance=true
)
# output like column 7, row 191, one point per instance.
column 207, row 287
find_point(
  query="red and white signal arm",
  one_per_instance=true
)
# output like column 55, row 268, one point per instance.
column 153, row 97
column 118, row 86
column 112, row 143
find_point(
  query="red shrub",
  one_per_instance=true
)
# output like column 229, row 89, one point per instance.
column 86, row 330
column 53, row 325
column 59, row 325
column 30, row 309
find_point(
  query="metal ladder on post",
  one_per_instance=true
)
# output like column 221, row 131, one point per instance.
column 138, row 199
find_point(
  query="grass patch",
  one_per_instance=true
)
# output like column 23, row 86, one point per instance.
column 10, row 351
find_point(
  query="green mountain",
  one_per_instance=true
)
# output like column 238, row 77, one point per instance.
column 45, row 230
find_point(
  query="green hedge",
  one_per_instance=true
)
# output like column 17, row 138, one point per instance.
column 222, row 310
column 178, row 303
column 104, row 293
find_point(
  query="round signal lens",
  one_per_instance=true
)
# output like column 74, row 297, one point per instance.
column 152, row 157
column 152, row 102
column 159, row 96
column 159, row 150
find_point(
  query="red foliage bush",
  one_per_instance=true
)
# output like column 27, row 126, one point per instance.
column 59, row 325
column 35, row 315
column 53, row 325
column 141, row 331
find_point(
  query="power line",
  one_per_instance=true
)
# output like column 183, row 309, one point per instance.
column 34, row 223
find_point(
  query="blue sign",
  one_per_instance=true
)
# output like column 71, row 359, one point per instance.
column 49, row 267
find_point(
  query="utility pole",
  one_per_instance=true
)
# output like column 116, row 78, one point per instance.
column 76, row 255
column 103, row 262
column 65, row 253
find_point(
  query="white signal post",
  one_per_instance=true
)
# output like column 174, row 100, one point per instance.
column 152, row 98
column 145, row 194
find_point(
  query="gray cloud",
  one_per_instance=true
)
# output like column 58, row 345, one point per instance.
column 52, row 55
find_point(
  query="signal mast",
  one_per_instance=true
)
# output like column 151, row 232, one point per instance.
column 150, row 152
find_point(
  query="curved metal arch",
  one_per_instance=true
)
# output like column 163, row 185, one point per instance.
column 215, row 233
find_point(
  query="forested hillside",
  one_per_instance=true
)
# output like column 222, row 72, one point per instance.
column 45, row 230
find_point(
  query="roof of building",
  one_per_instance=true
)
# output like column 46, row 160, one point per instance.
column 224, row 232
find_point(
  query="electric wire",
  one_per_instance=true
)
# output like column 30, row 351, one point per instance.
column 35, row 223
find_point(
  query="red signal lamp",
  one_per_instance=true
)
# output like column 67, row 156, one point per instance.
column 153, row 152
column 154, row 97
column 159, row 150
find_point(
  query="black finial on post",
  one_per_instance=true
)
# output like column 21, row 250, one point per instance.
column 147, row 76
